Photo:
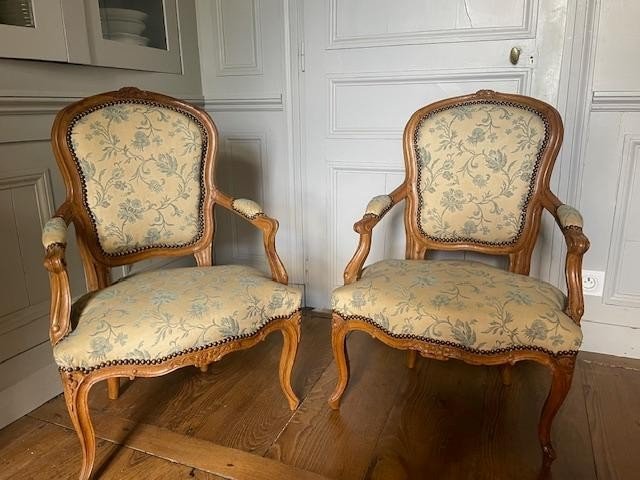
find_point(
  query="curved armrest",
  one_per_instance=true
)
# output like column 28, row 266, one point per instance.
column 376, row 209
column 570, row 222
column 54, row 239
column 253, row 213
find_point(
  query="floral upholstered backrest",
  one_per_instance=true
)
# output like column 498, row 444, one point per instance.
column 477, row 163
column 141, row 168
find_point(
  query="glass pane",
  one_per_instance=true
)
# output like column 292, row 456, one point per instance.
column 136, row 22
column 16, row 12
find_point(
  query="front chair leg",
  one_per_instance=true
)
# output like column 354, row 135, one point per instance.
column 339, row 341
column 560, row 384
column 291, row 338
column 76, row 395
column 113, row 388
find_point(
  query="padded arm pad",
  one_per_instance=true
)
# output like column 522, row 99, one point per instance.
column 569, row 216
column 54, row 231
column 378, row 205
column 247, row 208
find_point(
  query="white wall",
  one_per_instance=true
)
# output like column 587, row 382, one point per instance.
column 244, row 60
column 31, row 93
column 610, row 187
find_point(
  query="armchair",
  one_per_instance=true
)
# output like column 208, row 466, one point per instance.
column 477, row 179
column 138, row 168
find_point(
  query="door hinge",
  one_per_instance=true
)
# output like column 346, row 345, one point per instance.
column 302, row 57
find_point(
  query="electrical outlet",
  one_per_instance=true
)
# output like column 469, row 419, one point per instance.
column 592, row 282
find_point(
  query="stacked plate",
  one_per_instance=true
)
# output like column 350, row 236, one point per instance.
column 124, row 25
column 16, row 12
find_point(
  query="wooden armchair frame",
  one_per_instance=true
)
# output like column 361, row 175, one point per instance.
column 97, row 264
column 519, row 254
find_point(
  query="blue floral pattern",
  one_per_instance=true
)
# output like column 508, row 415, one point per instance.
column 476, row 167
column 470, row 304
column 141, row 167
column 152, row 315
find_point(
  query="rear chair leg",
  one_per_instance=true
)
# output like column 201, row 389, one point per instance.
column 412, row 356
column 506, row 372
column 560, row 384
column 113, row 388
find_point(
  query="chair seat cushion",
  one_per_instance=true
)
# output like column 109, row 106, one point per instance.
column 466, row 304
column 155, row 315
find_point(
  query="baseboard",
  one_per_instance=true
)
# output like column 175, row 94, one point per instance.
column 29, row 393
column 618, row 340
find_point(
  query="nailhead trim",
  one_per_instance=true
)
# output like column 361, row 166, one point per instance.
column 447, row 343
column 205, row 146
column 156, row 361
column 534, row 173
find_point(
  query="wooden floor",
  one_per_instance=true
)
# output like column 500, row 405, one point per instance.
column 442, row 420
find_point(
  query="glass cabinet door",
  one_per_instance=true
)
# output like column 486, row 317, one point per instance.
column 136, row 34
column 32, row 29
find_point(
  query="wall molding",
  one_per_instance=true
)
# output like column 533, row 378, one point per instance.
column 334, row 171
column 260, row 140
column 225, row 66
column 40, row 182
column 522, row 77
column 51, row 105
column 618, row 101
column 628, row 173
column 267, row 103
column 527, row 29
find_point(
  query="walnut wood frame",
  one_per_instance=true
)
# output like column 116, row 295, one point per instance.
column 97, row 264
column 519, row 254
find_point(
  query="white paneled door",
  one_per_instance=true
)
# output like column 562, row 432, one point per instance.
column 367, row 65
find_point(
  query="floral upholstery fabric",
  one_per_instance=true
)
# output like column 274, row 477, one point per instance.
column 152, row 315
column 467, row 304
column 378, row 205
column 247, row 208
column 141, row 167
column 476, row 166
column 569, row 216
column 54, row 231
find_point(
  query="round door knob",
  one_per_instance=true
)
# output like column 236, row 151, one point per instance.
column 514, row 55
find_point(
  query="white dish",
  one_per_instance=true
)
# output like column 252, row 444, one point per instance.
column 123, row 14
column 134, row 27
column 129, row 38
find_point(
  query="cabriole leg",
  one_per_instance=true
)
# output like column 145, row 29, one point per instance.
column 339, row 342
column 76, row 395
column 291, row 338
column 560, row 384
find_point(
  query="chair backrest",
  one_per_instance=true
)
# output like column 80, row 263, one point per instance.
column 478, row 167
column 138, row 167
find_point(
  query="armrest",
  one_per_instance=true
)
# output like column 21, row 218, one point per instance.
column 376, row 209
column 254, row 214
column 54, row 240
column 570, row 222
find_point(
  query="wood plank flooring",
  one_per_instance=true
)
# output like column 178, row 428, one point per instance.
column 441, row 420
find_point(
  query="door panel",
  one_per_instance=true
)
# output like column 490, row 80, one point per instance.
column 368, row 67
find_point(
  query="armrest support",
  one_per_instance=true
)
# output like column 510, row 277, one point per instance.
column 570, row 222
column 376, row 209
column 254, row 214
column 54, row 239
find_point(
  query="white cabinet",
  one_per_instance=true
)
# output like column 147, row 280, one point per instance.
column 132, row 34
column 32, row 29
